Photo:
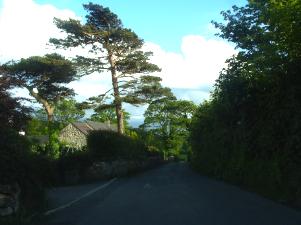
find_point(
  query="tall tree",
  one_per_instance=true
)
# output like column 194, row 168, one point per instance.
column 13, row 114
column 115, row 49
column 109, row 115
column 250, row 127
column 68, row 110
column 169, row 119
column 104, row 116
column 44, row 78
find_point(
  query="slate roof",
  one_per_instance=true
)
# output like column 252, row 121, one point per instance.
column 86, row 127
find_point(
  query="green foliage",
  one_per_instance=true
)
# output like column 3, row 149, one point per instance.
column 19, row 166
column 117, row 50
column 111, row 145
column 67, row 111
column 18, row 163
column 46, row 74
column 53, row 147
column 132, row 133
column 109, row 115
column 104, row 115
column 13, row 114
column 43, row 77
column 43, row 135
column 168, row 120
column 74, row 160
column 151, row 139
column 36, row 127
column 249, row 133
column 14, row 149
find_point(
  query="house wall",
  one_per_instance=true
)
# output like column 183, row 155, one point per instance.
column 72, row 137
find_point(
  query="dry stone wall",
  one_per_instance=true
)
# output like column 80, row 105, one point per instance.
column 9, row 199
column 104, row 170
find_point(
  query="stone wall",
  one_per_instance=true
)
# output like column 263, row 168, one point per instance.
column 104, row 170
column 9, row 199
column 72, row 137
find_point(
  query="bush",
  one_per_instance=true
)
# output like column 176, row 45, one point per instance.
column 262, row 155
column 14, row 151
column 74, row 160
column 108, row 145
column 18, row 165
column 154, row 152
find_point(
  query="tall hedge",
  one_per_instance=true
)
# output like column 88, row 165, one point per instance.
column 19, row 166
column 111, row 145
column 250, row 131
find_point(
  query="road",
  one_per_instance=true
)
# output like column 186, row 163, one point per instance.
column 173, row 194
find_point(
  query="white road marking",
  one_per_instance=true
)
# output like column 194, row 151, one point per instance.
column 79, row 198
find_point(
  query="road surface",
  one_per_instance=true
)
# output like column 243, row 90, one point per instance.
column 173, row 195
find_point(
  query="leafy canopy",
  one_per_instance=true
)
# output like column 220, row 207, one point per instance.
column 13, row 114
column 249, row 132
column 169, row 120
column 46, row 75
column 115, row 49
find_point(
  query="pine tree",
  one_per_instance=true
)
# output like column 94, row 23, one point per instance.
column 117, row 50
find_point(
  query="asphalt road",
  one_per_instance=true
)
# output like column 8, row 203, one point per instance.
column 173, row 195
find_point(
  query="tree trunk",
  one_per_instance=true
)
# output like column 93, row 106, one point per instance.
column 48, row 107
column 49, row 111
column 119, row 114
column 117, row 101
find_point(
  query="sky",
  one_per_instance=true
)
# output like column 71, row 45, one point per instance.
column 178, row 32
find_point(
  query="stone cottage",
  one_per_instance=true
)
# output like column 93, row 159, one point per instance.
column 75, row 134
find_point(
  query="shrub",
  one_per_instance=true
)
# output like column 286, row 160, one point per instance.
column 74, row 160
column 263, row 155
column 14, row 151
column 18, row 165
column 111, row 145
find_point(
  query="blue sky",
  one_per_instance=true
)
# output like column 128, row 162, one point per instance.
column 179, row 33
column 161, row 21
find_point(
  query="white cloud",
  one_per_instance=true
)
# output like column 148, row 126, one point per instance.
column 26, row 28
column 92, row 85
column 198, row 65
column 25, row 31
column 28, row 33
column 195, row 95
